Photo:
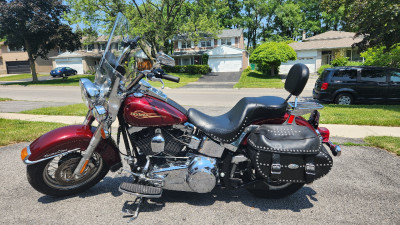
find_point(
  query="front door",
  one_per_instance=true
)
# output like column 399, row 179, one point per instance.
column 373, row 85
column 394, row 87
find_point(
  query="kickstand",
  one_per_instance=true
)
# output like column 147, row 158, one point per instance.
column 131, row 213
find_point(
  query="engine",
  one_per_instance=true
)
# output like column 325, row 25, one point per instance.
column 175, row 163
column 195, row 174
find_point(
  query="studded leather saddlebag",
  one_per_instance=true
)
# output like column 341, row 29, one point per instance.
column 288, row 153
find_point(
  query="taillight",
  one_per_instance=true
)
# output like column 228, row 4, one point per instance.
column 324, row 133
column 60, row 72
column 324, row 86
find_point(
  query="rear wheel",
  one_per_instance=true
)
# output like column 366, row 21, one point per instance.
column 54, row 176
column 344, row 99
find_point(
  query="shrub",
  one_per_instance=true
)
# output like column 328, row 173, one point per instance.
column 248, row 69
column 191, row 69
column 322, row 68
column 353, row 63
column 270, row 55
column 340, row 61
column 379, row 56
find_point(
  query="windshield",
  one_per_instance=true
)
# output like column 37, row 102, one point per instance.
column 106, row 73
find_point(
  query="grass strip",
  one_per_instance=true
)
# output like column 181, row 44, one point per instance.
column 373, row 115
column 71, row 81
column 5, row 99
column 255, row 79
column 391, row 144
column 20, row 77
column 67, row 110
column 14, row 131
column 185, row 78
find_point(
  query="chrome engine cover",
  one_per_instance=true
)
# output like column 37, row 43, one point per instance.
column 196, row 174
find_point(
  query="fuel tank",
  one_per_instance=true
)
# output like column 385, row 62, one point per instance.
column 148, row 111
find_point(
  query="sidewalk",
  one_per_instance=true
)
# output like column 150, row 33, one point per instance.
column 336, row 130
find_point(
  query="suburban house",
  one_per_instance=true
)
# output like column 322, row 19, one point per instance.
column 16, row 61
column 226, row 53
column 321, row 49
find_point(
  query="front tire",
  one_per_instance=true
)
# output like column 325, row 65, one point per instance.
column 264, row 189
column 54, row 176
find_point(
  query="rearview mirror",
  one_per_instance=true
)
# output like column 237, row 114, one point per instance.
column 165, row 59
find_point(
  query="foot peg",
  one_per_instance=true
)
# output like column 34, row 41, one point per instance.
column 131, row 213
column 140, row 190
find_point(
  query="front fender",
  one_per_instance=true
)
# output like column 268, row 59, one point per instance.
column 69, row 139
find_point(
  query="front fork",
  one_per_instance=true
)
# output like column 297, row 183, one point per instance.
column 97, row 136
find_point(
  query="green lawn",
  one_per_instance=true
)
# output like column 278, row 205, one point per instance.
column 68, row 110
column 71, row 81
column 20, row 77
column 374, row 115
column 185, row 79
column 391, row 144
column 14, row 131
column 255, row 79
column 5, row 99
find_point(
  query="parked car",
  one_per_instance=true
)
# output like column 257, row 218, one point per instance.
column 358, row 84
column 63, row 72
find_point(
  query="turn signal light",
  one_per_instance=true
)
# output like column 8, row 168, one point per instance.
column 24, row 153
column 324, row 86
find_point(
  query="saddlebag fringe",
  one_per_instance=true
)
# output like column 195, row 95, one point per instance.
column 287, row 153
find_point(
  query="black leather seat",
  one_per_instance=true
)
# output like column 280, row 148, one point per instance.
column 228, row 127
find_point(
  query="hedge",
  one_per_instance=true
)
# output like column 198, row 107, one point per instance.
column 191, row 69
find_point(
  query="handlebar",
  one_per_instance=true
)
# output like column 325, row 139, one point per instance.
column 170, row 78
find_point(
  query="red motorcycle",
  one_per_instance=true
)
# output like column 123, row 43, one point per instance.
column 262, row 144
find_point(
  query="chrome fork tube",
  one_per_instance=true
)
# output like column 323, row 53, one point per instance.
column 89, row 118
column 89, row 151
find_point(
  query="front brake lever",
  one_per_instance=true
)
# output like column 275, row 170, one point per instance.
column 154, row 78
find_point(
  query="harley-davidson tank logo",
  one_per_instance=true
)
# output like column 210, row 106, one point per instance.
column 139, row 114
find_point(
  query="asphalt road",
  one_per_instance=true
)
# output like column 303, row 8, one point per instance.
column 362, row 188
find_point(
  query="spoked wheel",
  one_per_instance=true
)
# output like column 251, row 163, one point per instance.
column 55, row 176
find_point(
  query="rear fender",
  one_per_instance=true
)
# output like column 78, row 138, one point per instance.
column 68, row 139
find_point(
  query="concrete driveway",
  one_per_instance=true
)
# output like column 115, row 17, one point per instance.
column 362, row 188
column 216, row 80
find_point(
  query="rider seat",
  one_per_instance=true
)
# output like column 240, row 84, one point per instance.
column 227, row 128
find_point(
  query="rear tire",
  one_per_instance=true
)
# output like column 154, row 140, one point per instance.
column 264, row 189
column 53, row 176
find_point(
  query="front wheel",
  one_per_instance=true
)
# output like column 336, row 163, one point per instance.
column 264, row 189
column 54, row 176
column 344, row 99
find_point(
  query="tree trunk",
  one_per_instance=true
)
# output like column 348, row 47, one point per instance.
column 31, row 62
column 273, row 71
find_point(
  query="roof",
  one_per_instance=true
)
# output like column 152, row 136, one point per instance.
column 327, row 40
column 77, row 54
column 224, row 34
column 188, row 53
column 329, row 35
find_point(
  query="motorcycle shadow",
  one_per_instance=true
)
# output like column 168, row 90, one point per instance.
column 107, row 185
column 303, row 199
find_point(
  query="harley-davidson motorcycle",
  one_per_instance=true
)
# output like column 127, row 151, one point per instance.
column 263, row 144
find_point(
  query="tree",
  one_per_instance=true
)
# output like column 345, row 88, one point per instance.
column 156, row 21
column 36, row 26
column 270, row 55
column 289, row 20
column 378, row 22
column 255, row 12
column 379, row 56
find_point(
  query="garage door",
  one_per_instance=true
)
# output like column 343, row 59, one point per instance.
column 74, row 63
column 310, row 63
column 18, row 67
column 233, row 64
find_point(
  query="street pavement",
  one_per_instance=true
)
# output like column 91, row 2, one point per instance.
column 362, row 188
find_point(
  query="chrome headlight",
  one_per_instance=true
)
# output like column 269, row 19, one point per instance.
column 89, row 92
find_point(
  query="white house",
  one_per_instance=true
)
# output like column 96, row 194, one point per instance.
column 320, row 50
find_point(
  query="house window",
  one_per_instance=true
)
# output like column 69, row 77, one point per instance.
column 90, row 47
column 186, row 44
column 13, row 49
column 102, row 47
column 226, row 41
column 206, row 43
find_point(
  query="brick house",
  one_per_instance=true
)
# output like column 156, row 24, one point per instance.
column 226, row 53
